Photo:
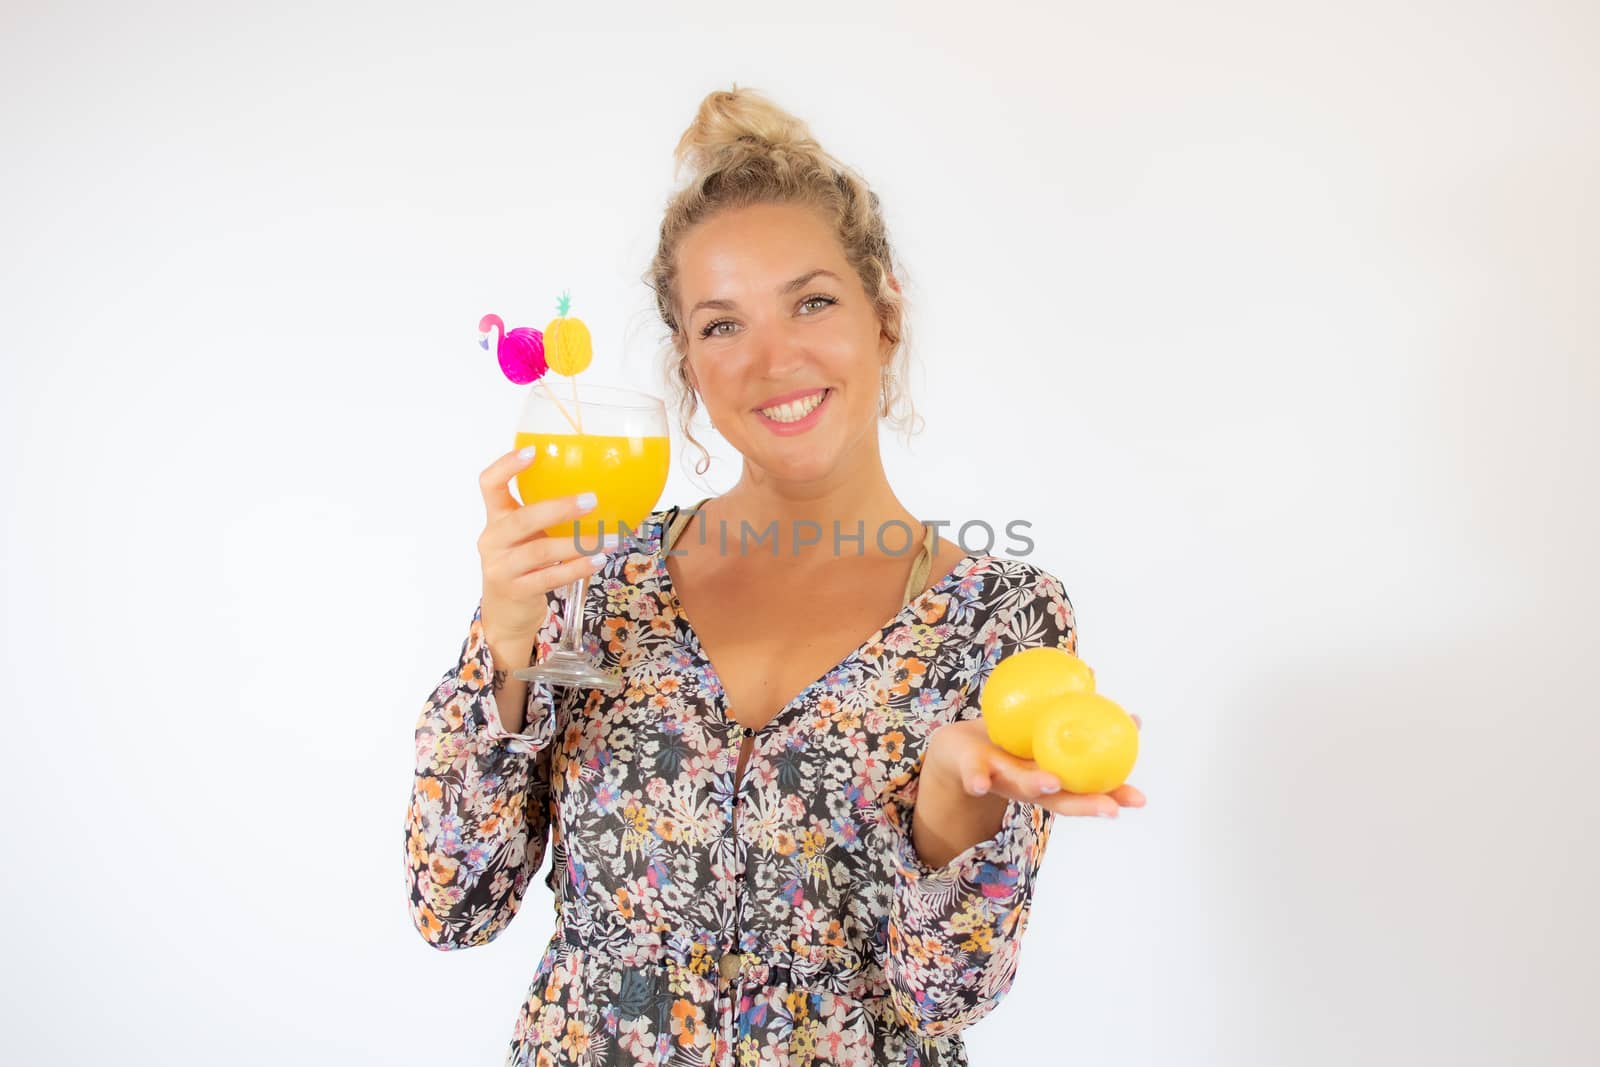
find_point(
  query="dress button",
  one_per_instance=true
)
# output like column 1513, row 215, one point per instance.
column 728, row 966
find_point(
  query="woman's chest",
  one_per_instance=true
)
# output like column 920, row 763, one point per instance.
column 666, row 777
column 764, row 667
column 768, row 643
column 805, row 709
column 663, row 782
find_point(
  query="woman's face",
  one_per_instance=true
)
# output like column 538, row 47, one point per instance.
column 774, row 319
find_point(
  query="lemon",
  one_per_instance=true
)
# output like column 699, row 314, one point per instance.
column 1022, row 686
column 1088, row 742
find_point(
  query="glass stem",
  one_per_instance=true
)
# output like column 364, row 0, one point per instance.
column 572, row 625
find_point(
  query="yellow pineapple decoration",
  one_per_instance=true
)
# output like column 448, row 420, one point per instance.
column 567, row 350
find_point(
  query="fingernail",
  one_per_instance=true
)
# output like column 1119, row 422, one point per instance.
column 528, row 453
column 587, row 500
column 598, row 559
column 978, row 787
column 1048, row 787
column 1108, row 815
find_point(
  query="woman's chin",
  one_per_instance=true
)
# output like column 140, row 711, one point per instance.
column 799, row 469
column 797, row 459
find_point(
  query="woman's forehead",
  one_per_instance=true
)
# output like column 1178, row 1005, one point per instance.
column 760, row 226
column 756, row 250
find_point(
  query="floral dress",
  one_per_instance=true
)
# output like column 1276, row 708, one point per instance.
column 784, row 918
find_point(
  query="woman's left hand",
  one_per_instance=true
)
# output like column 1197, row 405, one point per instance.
column 980, row 767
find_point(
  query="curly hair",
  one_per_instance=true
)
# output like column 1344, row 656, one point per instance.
column 742, row 149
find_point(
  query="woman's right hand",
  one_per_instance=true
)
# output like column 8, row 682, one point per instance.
column 521, row 563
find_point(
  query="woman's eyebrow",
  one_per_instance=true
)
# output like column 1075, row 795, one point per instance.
column 786, row 287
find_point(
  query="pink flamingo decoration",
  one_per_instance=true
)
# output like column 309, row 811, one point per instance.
column 521, row 355
column 521, row 351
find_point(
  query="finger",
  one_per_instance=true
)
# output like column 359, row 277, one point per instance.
column 537, row 516
column 973, row 767
column 561, row 574
column 1128, row 796
column 1026, row 777
column 1136, row 720
column 1030, row 785
column 541, row 554
column 1084, row 804
column 495, row 481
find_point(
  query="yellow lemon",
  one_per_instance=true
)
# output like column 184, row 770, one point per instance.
column 1086, row 741
column 1023, row 685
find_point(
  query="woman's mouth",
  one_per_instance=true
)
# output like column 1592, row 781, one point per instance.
column 795, row 416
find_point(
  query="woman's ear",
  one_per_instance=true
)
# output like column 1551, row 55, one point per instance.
column 686, row 369
column 884, row 343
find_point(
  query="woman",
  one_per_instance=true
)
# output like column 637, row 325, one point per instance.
column 808, row 852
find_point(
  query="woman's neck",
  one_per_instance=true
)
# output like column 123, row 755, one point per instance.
column 861, row 502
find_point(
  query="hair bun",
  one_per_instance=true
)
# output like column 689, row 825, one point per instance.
column 731, row 123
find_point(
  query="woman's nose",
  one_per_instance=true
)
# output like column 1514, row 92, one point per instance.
column 776, row 351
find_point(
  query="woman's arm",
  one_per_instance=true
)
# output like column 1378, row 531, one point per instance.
column 479, row 819
column 948, row 820
column 955, row 926
column 510, row 693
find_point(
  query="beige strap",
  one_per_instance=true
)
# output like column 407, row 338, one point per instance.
column 679, row 523
column 920, row 566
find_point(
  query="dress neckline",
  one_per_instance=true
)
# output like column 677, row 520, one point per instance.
column 668, row 592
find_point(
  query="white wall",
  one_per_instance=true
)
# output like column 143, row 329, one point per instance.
column 1277, row 320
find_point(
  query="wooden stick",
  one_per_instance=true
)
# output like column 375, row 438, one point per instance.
column 551, row 393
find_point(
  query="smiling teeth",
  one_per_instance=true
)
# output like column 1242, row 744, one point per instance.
column 795, row 410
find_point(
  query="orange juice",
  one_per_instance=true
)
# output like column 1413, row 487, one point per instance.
column 627, row 474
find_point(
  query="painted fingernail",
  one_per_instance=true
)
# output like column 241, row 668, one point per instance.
column 587, row 501
column 1047, row 786
column 1108, row 814
column 528, row 453
column 598, row 559
column 978, row 787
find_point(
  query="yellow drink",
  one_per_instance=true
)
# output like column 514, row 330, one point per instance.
column 627, row 474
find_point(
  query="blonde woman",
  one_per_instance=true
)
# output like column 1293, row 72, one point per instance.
column 787, row 839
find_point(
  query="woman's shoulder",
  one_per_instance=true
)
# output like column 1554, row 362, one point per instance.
column 1026, row 600
column 1010, row 577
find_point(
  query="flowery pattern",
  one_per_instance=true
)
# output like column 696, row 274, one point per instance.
column 782, row 919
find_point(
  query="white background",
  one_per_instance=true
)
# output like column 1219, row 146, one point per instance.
column 1277, row 320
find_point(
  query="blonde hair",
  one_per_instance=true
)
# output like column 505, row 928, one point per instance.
column 743, row 149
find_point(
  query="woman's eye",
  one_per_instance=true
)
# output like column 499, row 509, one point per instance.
column 710, row 328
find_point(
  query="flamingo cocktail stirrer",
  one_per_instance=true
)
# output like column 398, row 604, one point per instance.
column 521, row 355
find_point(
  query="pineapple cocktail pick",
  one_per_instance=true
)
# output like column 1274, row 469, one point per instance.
column 525, row 354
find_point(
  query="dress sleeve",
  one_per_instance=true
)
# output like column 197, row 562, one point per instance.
column 955, row 932
column 479, row 818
